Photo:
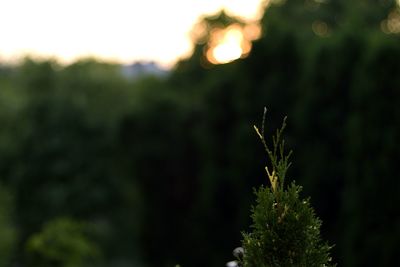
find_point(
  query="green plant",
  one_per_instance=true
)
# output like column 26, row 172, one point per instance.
column 285, row 230
column 62, row 242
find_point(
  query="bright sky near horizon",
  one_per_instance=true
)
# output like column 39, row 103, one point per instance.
column 118, row 30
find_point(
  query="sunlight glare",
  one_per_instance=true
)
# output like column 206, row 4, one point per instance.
column 234, row 42
column 229, row 47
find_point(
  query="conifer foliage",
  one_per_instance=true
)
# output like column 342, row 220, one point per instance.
column 285, row 230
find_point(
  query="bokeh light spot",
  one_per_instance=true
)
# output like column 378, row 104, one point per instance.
column 320, row 28
column 231, row 43
column 391, row 25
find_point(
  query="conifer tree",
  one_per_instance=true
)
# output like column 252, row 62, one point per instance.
column 285, row 230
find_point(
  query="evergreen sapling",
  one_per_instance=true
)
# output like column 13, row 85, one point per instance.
column 285, row 230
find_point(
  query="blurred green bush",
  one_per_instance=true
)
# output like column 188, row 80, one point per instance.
column 62, row 242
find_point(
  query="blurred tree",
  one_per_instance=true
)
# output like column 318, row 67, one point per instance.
column 8, row 231
column 372, row 130
column 61, row 158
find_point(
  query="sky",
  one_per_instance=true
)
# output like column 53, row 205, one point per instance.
column 116, row 30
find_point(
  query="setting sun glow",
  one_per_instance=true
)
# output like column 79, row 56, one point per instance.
column 234, row 42
column 228, row 48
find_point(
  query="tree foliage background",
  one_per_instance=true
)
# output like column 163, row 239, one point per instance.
column 162, row 169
